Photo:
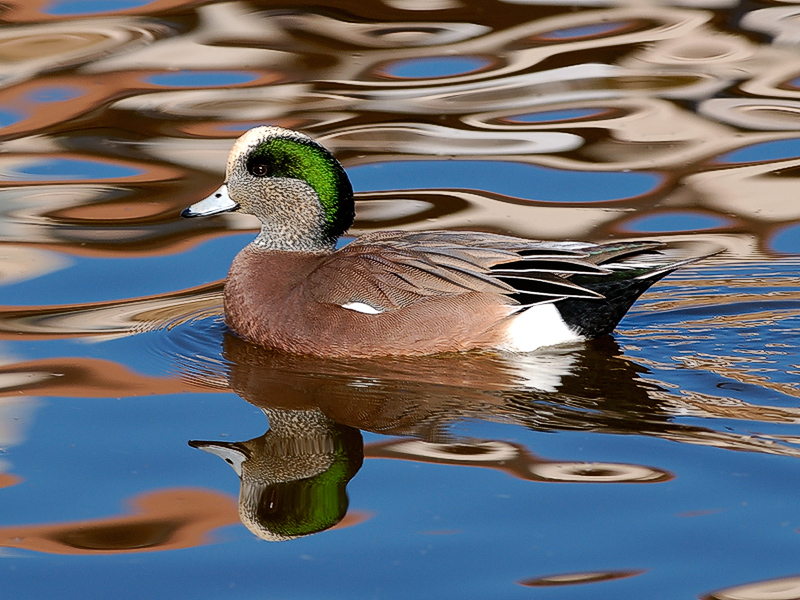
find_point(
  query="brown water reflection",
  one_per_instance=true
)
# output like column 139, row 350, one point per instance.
column 606, row 85
column 586, row 387
column 164, row 520
column 578, row 578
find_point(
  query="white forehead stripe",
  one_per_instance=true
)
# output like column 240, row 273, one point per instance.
column 253, row 137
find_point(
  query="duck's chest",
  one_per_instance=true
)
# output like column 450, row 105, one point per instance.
column 264, row 299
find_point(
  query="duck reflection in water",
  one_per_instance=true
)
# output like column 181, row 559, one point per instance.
column 293, row 478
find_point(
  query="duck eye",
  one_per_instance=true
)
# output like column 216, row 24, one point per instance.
column 258, row 169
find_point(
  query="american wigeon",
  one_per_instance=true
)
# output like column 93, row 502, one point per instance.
column 402, row 293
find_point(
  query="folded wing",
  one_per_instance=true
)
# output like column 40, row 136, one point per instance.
column 389, row 270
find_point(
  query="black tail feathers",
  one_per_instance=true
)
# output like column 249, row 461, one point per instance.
column 631, row 277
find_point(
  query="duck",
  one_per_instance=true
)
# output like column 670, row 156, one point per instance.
column 296, row 289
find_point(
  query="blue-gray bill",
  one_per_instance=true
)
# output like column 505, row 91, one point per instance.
column 216, row 203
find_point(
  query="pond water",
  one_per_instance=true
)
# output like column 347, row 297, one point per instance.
column 660, row 462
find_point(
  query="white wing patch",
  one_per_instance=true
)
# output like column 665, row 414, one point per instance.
column 538, row 326
column 363, row 308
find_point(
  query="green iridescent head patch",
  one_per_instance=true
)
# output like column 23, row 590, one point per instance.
column 302, row 158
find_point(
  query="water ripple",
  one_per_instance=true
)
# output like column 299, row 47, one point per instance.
column 114, row 318
column 419, row 138
column 578, row 578
column 28, row 50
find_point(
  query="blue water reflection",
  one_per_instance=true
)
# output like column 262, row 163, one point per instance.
column 551, row 522
column 70, row 169
column 764, row 151
column 514, row 179
column 549, row 116
column 91, row 7
column 436, row 66
column 787, row 240
column 51, row 94
column 9, row 117
column 584, row 31
column 239, row 127
column 190, row 79
column 675, row 221
column 88, row 279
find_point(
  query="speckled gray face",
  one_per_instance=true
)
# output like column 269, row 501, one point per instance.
column 283, row 154
column 297, row 189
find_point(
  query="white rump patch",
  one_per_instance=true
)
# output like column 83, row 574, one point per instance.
column 363, row 308
column 537, row 326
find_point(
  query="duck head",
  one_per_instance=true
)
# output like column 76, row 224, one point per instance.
column 297, row 189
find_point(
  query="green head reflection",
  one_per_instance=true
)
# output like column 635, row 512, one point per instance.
column 296, row 508
column 294, row 477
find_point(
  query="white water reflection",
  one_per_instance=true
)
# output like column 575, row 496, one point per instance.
column 786, row 588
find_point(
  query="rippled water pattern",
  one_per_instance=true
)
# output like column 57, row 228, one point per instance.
column 661, row 462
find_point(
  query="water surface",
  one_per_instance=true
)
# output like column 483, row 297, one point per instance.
column 660, row 462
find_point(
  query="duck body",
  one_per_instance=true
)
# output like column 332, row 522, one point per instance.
column 403, row 293
column 292, row 315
